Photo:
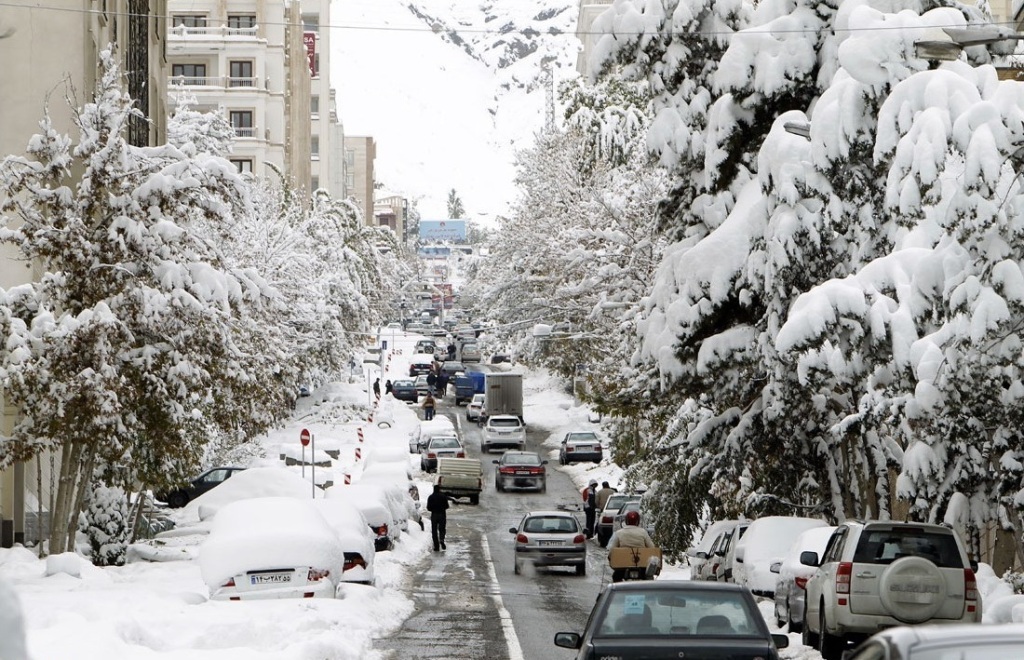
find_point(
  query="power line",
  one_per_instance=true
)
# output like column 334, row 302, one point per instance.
column 534, row 32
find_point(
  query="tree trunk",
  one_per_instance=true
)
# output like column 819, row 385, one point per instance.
column 39, row 505
column 62, row 506
column 78, row 501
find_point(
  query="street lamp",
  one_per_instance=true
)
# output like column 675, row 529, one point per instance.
column 960, row 38
column 803, row 129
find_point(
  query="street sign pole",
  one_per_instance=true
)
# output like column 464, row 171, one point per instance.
column 312, row 448
column 304, row 437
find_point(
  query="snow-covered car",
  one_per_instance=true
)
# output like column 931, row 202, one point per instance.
column 354, row 535
column 205, row 482
column 271, row 547
column 766, row 541
column 440, row 446
column 375, row 509
column 605, row 521
column 700, row 552
column 427, row 429
column 791, row 577
column 405, row 390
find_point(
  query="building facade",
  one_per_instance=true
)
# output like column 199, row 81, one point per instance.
column 327, row 167
column 360, row 152
column 57, row 49
column 588, row 11
column 248, row 61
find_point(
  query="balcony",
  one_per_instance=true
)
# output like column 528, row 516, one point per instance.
column 210, row 33
column 244, row 131
column 214, row 83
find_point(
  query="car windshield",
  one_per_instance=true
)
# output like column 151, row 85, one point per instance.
column 504, row 422
column 582, row 437
column 884, row 546
column 615, row 502
column 444, row 443
column 691, row 612
column 520, row 459
column 551, row 525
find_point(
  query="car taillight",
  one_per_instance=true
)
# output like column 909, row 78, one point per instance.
column 521, row 538
column 506, row 470
column 317, row 574
column 606, row 520
column 843, row 575
column 381, row 531
column 461, row 454
column 579, row 538
column 431, row 455
column 569, row 449
column 801, row 583
column 714, row 569
column 536, row 470
column 970, row 590
column 229, row 583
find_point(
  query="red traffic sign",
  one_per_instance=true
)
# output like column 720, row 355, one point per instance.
column 304, row 437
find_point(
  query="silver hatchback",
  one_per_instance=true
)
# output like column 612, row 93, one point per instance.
column 550, row 538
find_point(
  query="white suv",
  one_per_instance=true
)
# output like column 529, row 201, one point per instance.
column 877, row 575
column 503, row 431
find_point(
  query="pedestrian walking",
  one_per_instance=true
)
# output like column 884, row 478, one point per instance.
column 376, row 388
column 590, row 506
column 389, row 388
column 442, row 382
column 432, row 380
column 437, row 505
column 428, row 406
column 603, row 494
column 451, row 351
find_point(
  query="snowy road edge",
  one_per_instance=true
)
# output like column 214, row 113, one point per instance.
column 515, row 652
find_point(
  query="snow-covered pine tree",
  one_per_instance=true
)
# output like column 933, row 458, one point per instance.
column 105, row 524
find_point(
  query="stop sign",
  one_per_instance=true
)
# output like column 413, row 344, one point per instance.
column 304, row 437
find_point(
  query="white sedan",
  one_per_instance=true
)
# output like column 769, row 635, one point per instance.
column 271, row 547
column 357, row 541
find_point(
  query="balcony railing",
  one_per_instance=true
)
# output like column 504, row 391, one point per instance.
column 245, row 131
column 213, row 32
column 214, row 81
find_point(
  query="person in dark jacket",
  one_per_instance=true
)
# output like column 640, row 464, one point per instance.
column 590, row 506
column 437, row 505
column 432, row 381
column 389, row 388
column 376, row 388
column 442, row 382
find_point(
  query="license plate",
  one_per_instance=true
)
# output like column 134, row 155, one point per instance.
column 584, row 448
column 549, row 543
column 525, row 473
column 270, row 578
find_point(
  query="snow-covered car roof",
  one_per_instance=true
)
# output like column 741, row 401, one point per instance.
column 371, row 499
column 268, row 532
column 349, row 523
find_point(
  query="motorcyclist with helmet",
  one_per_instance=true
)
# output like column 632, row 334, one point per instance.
column 631, row 535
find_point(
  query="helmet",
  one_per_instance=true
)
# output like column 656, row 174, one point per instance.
column 632, row 517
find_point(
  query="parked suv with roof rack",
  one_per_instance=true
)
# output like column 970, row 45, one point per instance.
column 876, row 575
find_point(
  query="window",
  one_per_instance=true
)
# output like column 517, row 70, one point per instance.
column 310, row 23
column 350, row 157
column 241, row 21
column 188, row 20
column 188, row 74
column 241, row 73
column 315, row 183
column 244, row 165
column 314, row 147
column 241, row 121
column 314, row 105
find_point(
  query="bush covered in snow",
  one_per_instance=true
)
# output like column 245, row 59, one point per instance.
column 105, row 523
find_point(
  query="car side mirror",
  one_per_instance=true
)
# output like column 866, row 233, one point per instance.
column 780, row 641
column 543, row 462
column 513, row 530
column 700, row 554
column 495, row 461
column 809, row 558
column 775, row 567
column 568, row 640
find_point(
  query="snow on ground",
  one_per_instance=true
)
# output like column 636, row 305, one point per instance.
column 156, row 606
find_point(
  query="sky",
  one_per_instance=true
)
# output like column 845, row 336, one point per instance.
column 160, row 608
column 439, row 117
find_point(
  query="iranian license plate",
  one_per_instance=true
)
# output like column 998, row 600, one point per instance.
column 523, row 472
column 270, row 578
column 550, row 543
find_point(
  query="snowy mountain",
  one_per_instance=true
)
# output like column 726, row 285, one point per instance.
column 449, row 90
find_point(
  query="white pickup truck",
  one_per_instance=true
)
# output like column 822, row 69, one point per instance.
column 460, row 477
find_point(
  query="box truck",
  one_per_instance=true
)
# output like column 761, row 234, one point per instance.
column 503, row 395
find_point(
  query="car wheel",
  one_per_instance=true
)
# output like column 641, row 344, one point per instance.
column 497, row 485
column 794, row 626
column 779, row 621
column 474, row 499
column 602, row 539
column 177, row 500
column 829, row 646
column 544, row 487
column 518, row 566
column 581, row 569
column 808, row 637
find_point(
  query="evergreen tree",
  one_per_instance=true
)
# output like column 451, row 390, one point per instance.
column 455, row 207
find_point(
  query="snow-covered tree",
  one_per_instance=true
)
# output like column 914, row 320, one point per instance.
column 455, row 207
column 105, row 524
column 117, row 353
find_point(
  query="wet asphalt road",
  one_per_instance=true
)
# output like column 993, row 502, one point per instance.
column 469, row 602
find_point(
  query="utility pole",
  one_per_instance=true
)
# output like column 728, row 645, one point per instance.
column 549, row 93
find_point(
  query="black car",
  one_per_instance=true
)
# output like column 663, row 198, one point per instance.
column 520, row 469
column 208, row 480
column 404, row 390
column 674, row 619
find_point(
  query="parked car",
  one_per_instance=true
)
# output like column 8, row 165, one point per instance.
column 953, row 642
column 727, row 569
column 421, row 385
column 405, row 390
column 376, row 508
column 503, row 432
column 791, row 577
column 699, row 553
column 711, row 569
column 179, row 497
column 520, row 469
column 884, row 573
column 354, row 536
column 606, row 517
column 440, row 446
column 426, row 429
column 550, row 538
column 579, row 446
column 269, row 548
column 470, row 353
column 620, row 517
column 475, row 407
column 425, row 346
column 421, row 364
column 674, row 619
column 499, row 358
column 765, row 542
column 453, row 367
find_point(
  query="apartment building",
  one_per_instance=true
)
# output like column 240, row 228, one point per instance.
column 360, row 152
column 51, row 48
column 588, row 11
column 327, row 139
column 391, row 210
column 249, row 61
